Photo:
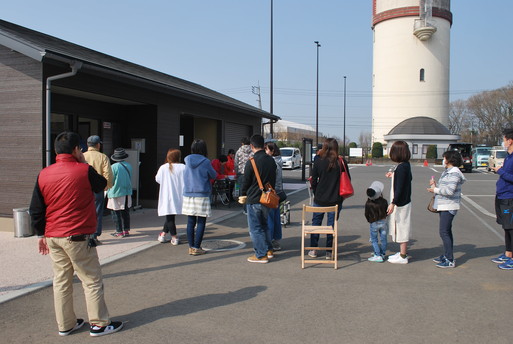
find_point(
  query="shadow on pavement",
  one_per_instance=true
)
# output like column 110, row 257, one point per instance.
column 189, row 305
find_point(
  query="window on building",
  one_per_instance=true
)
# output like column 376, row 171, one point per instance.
column 415, row 149
column 422, row 74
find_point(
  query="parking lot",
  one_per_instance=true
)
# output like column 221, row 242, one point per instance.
column 165, row 295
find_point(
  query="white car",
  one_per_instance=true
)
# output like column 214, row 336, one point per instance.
column 291, row 157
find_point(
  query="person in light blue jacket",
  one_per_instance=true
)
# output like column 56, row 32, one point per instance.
column 447, row 202
column 196, row 194
column 120, row 194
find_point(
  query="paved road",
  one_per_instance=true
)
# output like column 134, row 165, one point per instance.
column 167, row 296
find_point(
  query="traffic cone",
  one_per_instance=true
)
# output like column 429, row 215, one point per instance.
column 367, row 162
column 370, row 162
column 425, row 163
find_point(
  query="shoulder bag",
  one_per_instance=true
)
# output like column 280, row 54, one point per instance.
column 269, row 197
column 346, row 188
column 430, row 205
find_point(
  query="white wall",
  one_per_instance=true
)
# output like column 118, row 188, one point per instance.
column 398, row 57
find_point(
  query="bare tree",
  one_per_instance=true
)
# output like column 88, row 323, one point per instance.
column 365, row 139
column 493, row 109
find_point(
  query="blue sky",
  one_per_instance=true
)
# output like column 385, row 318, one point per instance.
column 224, row 45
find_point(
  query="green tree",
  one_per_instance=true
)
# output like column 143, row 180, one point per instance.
column 431, row 152
column 377, row 150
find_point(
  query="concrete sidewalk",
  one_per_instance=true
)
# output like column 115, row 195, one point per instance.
column 24, row 270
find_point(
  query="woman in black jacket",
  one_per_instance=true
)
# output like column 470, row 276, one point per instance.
column 399, row 210
column 325, row 186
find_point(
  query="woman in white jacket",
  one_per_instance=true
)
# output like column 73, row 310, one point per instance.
column 447, row 202
column 170, row 178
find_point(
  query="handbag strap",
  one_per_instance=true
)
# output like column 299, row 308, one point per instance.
column 342, row 164
column 257, row 174
column 126, row 169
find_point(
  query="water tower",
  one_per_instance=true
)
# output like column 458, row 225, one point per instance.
column 410, row 65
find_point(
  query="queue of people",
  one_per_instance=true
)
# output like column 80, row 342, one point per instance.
column 67, row 194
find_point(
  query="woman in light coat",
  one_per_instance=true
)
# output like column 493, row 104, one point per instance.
column 170, row 178
column 447, row 202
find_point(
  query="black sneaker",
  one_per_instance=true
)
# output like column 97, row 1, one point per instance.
column 114, row 326
column 79, row 324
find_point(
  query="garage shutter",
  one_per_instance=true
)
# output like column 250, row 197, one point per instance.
column 233, row 133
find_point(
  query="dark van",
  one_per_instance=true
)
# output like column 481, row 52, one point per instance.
column 465, row 150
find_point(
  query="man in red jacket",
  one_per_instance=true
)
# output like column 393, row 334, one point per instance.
column 64, row 217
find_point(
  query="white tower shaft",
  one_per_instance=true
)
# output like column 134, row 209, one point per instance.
column 410, row 75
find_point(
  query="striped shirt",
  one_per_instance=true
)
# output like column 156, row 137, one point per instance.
column 448, row 191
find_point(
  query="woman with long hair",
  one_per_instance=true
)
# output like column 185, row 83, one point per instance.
column 170, row 178
column 196, row 194
column 325, row 186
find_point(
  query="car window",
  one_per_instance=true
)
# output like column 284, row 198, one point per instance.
column 286, row 152
column 483, row 151
column 501, row 154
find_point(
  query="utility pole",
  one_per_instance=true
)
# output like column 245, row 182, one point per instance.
column 256, row 90
column 271, row 72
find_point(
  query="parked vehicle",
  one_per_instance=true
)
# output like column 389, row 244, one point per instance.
column 291, row 157
column 480, row 156
column 465, row 150
column 497, row 156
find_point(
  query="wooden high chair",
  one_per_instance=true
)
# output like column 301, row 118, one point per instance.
column 309, row 229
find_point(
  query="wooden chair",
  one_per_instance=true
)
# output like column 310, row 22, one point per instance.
column 309, row 229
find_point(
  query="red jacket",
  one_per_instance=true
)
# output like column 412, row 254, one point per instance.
column 63, row 199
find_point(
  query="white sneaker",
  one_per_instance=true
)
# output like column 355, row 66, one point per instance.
column 329, row 255
column 164, row 237
column 175, row 241
column 375, row 258
column 398, row 260
column 394, row 256
column 312, row 253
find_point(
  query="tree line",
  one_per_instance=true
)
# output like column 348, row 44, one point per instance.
column 481, row 118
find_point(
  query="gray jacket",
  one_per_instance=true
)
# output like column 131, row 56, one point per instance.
column 448, row 191
column 279, row 174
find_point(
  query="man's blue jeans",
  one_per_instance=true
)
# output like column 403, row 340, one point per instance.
column 99, row 199
column 274, row 223
column 317, row 221
column 258, row 229
column 380, row 228
column 195, row 237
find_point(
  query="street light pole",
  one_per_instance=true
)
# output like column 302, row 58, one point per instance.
column 344, row 151
column 317, row 99
column 271, row 95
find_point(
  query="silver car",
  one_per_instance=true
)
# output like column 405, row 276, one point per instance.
column 291, row 157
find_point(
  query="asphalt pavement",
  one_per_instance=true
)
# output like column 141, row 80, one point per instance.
column 165, row 295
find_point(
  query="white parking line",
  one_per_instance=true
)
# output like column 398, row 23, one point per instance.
column 484, row 223
column 477, row 206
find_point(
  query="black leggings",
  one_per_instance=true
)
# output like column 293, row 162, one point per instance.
column 508, row 238
column 169, row 225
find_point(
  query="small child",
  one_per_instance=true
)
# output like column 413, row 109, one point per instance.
column 376, row 213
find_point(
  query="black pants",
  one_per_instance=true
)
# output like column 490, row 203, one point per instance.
column 169, row 225
column 504, row 212
column 122, row 220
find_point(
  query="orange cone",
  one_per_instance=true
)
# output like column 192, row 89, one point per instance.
column 367, row 162
column 425, row 163
column 370, row 162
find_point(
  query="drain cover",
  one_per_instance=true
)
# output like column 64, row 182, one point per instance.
column 222, row 245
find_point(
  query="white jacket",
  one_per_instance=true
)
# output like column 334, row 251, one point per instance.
column 448, row 191
column 171, row 189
